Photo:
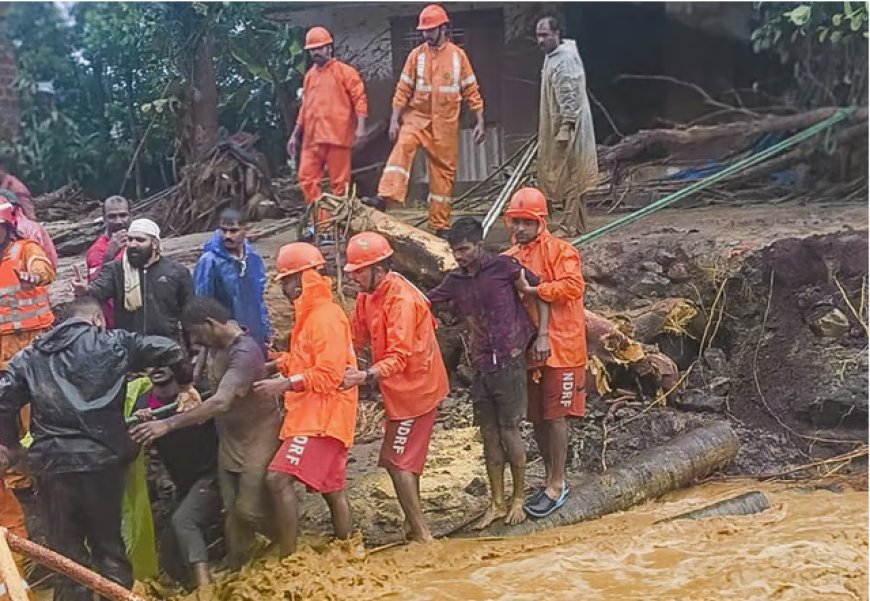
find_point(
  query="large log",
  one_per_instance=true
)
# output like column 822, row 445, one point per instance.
column 648, row 475
column 670, row 139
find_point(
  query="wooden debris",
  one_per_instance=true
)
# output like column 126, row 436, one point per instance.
column 648, row 475
column 745, row 504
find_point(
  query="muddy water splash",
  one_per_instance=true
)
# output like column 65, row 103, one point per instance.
column 809, row 545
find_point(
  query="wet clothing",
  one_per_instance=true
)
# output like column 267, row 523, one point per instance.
column 188, row 454
column 499, row 398
column 500, row 326
column 77, row 408
column 319, row 462
column 166, row 288
column 236, row 283
column 406, row 443
column 94, row 259
column 333, row 99
column 84, row 524
column 557, row 264
column 567, row 157
column 197, row 510
column 321, row 349
column 24, row 308
column 25, row 199
column 248, row 432
column 33, row 230
column 431, row 88
column 395, row 321
column 557, row 392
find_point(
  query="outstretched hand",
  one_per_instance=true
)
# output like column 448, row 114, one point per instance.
column 147, row 432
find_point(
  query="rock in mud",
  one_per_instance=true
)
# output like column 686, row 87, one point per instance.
column 700, row 402
column 830, row 323
column 678, row 272
column 715, row 359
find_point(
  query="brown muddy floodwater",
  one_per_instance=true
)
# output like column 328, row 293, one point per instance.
column 811, row 544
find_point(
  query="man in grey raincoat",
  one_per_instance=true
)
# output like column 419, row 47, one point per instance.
column 567, row 159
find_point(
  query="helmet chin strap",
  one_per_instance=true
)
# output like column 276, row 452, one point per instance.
column 371, row 285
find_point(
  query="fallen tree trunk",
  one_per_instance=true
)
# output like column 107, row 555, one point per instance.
column 745, row 504
column 646, row 476
column 635, row 144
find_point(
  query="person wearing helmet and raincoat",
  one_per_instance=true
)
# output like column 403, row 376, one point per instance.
column 28, row 228
column 331, row 120
column 320, row 414
column 436, row 79
column 393, row 318
column 557, row 385
column 25, row 313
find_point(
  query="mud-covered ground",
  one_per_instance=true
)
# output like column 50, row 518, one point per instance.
column 780, row 294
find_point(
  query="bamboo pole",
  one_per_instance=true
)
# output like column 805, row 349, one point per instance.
column 9, row 571
column 67, row 567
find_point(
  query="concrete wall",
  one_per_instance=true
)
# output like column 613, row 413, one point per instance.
column 8, row 95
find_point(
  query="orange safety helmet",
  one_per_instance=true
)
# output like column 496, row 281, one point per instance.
column 366, row 248
column 317, row 37
column 7, row 215
column 431, row 17
column 527, row 203
column 296, row 257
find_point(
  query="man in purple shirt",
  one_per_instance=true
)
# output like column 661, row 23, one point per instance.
column 483, row 290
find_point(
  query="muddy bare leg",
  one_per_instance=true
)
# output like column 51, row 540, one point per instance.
column 285, row 505
column 512, row 440
column 557, row 441
column 543, row 441
column 339, row 508
column 407, row 490
column 201, row 574
column 495, row 457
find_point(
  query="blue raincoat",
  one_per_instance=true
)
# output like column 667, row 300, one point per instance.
column 238, row 284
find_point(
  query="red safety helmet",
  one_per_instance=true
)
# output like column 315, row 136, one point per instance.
column 527, row 203
column 8, row 215
column 431, row 17
column 296, row 257
column 317, row 37
column 366, row 248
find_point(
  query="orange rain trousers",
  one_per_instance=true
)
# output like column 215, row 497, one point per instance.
column 312, row 161
column 441, row 162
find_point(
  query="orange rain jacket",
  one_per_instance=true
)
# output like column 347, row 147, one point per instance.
column 557, row 264
column 431, row 88
column 333, row 96
column 396, row 321
column 320, row 349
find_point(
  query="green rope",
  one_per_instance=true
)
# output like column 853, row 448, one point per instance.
column 737, row 167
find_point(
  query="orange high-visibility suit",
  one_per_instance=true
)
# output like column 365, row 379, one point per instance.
column 24, row 314
column 395, row 320
column 557, row 264
column 431, row 88
column 333, row 98
column 321, row 349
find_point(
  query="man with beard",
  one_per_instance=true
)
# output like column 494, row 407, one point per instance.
column 74, row 378
column 567, row 158
column 148, row 291
column 109, row 245
column 231, row 272
column 436, row 79
column 331, row 120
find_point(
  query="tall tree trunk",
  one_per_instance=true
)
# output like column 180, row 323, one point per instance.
column 134, row 133
column 203, row 97
column 9, row 116
column 286, row 108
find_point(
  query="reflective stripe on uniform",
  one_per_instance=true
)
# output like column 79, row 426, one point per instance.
column 438, row 198
column 19, row 316
column 396, row 169
column 421, row 74
column 407, row 79
column 457, row 69
column 468, row 81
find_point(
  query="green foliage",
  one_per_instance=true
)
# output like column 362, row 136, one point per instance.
column 120, row 69
column 825, row 41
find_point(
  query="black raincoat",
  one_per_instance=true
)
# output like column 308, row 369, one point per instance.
column 75, row 379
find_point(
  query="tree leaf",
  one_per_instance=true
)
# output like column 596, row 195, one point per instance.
column 800, row 15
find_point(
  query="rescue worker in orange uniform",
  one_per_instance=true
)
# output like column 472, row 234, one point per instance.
column 556, row 387
column 25, row 312
column 321, row 415
column 331, row 120
column 393, row 318
column 436, row 78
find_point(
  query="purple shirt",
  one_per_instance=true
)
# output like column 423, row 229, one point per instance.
column 500, row 326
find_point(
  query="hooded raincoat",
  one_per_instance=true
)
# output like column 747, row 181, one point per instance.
column 567, row 157
column 321, row 349
column 75, row 378
column 238, row 284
